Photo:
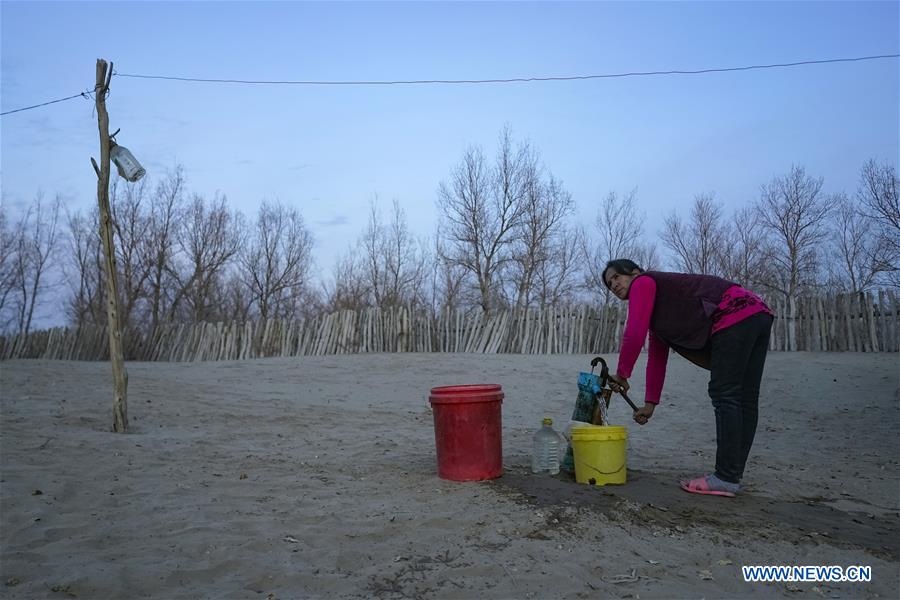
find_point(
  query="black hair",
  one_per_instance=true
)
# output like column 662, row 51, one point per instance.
column 622, row 266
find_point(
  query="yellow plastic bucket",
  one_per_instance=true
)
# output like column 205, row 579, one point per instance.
column 599, row 452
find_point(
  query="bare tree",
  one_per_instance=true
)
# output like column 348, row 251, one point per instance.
column 235, row 300
column 697, row 243
column 85, row 273
column 647, row 256
column 34, row 250
column 372, row 245
column 539, row 238
column 9, row 244
column 208, row 240
column 618, row 229
column 854, row 247
column 162, row 226
column 793, row 208
column 349, row 289
column 276, row 259
column 555, row 279
column 130, row 217
column 480, row 209
column 877, row 194
column 395, row 264
column 407, row 261
column 744, row 256
column 448, row 281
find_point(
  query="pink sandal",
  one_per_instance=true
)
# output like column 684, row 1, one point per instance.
column 701, row 486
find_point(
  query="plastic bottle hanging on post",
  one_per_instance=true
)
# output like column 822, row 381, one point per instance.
column 547, row 449
column 128, row 166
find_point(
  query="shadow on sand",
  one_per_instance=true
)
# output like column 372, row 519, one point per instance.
column 661, row 502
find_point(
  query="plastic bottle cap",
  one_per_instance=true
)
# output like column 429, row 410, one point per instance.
column 547, row 421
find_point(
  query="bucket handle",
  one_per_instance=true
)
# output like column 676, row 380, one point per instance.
column 601, row 472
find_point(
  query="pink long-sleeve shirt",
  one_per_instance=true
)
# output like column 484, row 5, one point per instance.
column 736, row 305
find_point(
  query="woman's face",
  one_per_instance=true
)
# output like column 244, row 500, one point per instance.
column 618, row 283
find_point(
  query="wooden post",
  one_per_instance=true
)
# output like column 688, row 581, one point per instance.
column 895, row 319
column 870, row 317
column 116, row 354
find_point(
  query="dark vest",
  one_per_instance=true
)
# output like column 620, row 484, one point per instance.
column 683, row 307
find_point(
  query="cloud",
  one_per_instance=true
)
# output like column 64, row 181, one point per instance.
column 42, row 130
column 154, row 166
column 335, row 221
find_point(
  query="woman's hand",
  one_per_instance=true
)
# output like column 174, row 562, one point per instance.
column 618, row 384
column 643, row 414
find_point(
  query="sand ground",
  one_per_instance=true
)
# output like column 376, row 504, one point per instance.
column 315, row 477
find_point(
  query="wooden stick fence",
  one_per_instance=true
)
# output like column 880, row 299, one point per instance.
column 850, row 322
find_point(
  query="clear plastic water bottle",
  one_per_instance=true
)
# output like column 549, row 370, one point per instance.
column 547, row 449
column 128, row 166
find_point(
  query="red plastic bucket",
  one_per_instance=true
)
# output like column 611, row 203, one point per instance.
column 467, row 431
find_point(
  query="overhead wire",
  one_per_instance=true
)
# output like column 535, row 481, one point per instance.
column 86, row 94
column 510, row 80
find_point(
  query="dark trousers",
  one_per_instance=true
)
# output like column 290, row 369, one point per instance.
column 738, row 355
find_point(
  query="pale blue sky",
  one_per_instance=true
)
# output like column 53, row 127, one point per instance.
column 328, row 150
